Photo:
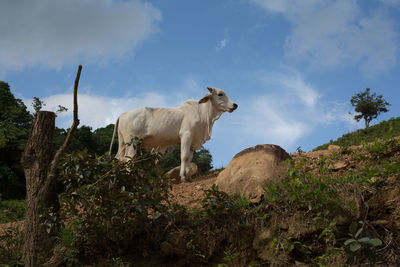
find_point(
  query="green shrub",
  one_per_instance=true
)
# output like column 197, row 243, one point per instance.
column 304, row 190
column 10, row 248
column 12, row 210
column 109, row 205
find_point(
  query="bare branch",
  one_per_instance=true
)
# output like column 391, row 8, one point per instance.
column 75, row 123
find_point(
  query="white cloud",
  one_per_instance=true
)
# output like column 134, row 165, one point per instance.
column 99, row 111
column 268, row 120
column 274, row 5
column 222, row 44
column 337, row 33
column 292, row 85
column 286, row 110
column 391, row 2
column 54, row 33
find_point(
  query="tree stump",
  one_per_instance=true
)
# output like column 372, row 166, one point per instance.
column 41, row 195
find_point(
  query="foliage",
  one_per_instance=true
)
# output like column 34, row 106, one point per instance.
column 11, row 242
column 102, row 138
column 15, row 122
column 61, row 109
column 368, row 105
column 218, row 205
column 387, row 129
column 362, row 241
column 12, row 210
column 327, row 196
column 203, row 160
column 37, row 104
column 116, row 208
column 304, row 190
column 116, row 203
column 222, row 227
column 120, row 213
column 172, row 159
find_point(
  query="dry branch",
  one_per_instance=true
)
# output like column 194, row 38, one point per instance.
column 75, row 124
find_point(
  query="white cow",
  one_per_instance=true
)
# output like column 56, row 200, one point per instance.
column 189, row 125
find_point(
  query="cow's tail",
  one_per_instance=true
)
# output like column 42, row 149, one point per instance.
column 113, row 136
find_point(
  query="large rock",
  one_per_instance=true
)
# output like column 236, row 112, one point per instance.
column 252, row 169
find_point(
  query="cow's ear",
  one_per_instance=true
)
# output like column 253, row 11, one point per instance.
column 205, row 99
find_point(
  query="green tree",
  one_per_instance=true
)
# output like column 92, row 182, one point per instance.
column 15, row 123
column 82, row 139
column 102, row 138
column 203, row 159
column 172, row 158
column 368, row 105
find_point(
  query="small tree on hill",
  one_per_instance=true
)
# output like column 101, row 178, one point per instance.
column 368, row 105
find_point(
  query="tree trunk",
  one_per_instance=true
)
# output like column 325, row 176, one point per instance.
column 41, row 195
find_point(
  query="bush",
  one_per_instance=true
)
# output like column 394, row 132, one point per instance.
column 11, row 242
column 12, row 210
column 109, row 205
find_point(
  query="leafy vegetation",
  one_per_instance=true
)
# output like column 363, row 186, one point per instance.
column 201, row 158
column 119, row 214
column 12, row 210
column 15, row 122
column 108, row 202
column 337, row 201
column 11, row 242
column 368, row 106
column 385, row 129
column 124, row 208
column 37, row 104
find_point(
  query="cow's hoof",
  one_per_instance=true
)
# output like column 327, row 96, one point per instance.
column 186, row 180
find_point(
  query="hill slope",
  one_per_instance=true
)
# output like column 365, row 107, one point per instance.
column 336, row 207
column 385, row 129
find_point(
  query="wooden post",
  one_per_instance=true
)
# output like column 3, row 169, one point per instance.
column 40, row 171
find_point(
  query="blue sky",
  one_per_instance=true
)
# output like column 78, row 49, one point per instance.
column 292, row 66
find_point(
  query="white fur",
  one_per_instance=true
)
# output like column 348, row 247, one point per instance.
column 189, row 125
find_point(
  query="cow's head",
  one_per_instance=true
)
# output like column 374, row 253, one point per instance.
column 220, row 100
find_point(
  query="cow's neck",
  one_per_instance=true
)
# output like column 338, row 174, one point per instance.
column 209, row 115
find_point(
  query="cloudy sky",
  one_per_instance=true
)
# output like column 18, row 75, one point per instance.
column 292, row 66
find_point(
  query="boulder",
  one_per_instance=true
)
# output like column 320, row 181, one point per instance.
column 252, row 169
column 173, row 174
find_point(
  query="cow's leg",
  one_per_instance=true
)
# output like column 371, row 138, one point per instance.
column 121, row 147
column 186, row 157
column 130, row 151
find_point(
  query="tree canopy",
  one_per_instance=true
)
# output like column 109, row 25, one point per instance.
column 15, row 123
column 172, row 159
column 368, row 105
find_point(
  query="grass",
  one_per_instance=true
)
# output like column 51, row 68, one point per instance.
column 385, row 129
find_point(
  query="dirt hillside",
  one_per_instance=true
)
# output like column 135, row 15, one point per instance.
column 366, row 179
